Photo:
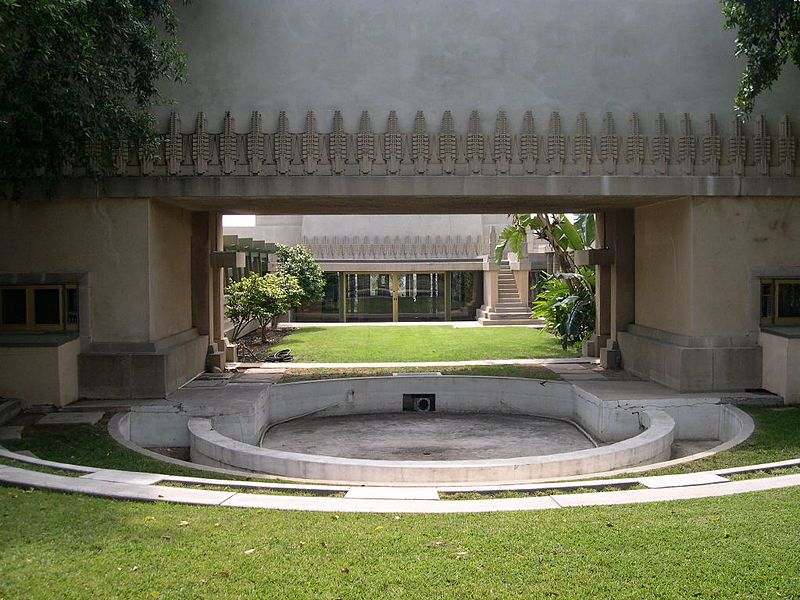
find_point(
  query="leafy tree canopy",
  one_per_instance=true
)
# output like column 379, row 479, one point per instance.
column 262, row 298
column 767, row 36
column 76, row 75
column 299, row 262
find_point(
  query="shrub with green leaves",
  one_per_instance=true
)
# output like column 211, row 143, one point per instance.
column 261, row 298
column 299, row 262
column 566, row 303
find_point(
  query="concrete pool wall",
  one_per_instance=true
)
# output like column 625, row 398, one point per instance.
column 223, row 427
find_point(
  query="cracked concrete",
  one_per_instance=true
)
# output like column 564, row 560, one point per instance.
column 426, row 436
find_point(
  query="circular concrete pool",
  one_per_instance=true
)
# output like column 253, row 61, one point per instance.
column 423, row 429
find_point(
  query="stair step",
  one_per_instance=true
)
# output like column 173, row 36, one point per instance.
column 508, row 322
column 508, row 315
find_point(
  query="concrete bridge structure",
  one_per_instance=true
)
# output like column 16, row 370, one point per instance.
column 359, row 107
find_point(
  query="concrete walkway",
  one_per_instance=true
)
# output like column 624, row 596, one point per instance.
column 128, row 485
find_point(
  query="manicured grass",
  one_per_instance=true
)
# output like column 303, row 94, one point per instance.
column 59, row 546
column 92, row 446
column 23, row 465
column 486, row 371
column 420, row 344
column 248, row 490
column 776, row 438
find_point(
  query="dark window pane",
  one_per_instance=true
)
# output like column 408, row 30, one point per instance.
column 72, row 306
column 47, row 307
column 15, row 311
column 766, row 300
column 788, row 300
column 326, row 309
column 466, row 294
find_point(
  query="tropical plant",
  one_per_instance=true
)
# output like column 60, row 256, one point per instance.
column 561, row 234
column 261, row 298
column 767, row 36
column 565, row 300
column 299, row 262
column 78, row 75
column 568, row 310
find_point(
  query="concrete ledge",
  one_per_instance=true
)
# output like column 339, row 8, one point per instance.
column 211, row 447
column 151, row 370
column 690, row 364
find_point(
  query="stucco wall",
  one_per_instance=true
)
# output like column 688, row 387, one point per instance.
column 105, row 238
column 780, row 374
column 664, row 266
column 291, row 229
column 432, row 55
column 733, row 239
column 697, row 261
column 170, row 233
column 40, row 374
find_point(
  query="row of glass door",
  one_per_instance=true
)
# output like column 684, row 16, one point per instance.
column 395, row 297
column 374, row 297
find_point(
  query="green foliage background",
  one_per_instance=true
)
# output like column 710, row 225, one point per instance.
column 75, row 74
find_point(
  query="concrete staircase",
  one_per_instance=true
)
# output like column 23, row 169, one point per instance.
column 510, row 308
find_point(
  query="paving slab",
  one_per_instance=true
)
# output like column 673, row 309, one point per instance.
column 110, row 489
column 369, row 505
column 71, row 418
column 581, row 376
column 125, row 476
column 259, row 376
column 392, row 493
column 129, row 491
column 670, row 481
column 678, row 493
column 11, row 432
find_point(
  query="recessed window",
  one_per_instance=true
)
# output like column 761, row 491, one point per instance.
column 47, row 306
column 39, row 308
column 780, row 301
column 15, row 306
column 71, row 307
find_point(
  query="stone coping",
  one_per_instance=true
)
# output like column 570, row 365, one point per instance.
column 36, row 339
column 748, row 426
column 210, row 446
column 733, row 428
column 787, row 331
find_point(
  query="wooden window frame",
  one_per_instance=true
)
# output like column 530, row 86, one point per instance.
column 776, row 317
column 30, row 309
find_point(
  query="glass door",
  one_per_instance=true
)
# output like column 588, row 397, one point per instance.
column 368, row 297
column 421, row 297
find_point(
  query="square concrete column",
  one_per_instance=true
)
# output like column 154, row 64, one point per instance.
column 202, row 315
column 618, row 231
column 207, row 285
column 602, row 295
column 217, row 279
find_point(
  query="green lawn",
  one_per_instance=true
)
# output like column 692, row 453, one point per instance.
column 59, row 546
column 92, row 446
column 419, row 344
